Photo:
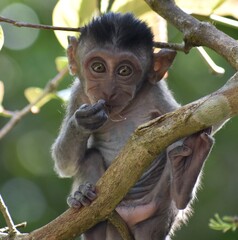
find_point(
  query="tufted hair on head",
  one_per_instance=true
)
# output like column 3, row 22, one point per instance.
column 121, row 30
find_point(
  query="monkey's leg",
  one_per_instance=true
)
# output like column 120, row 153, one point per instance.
column 97, row 232
column 187, row 158
column 89, row 171
column 155, row 228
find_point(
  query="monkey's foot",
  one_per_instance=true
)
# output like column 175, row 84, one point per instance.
column 85, row 194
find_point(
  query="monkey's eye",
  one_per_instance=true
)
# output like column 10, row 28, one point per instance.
column 98, row 67
column 124, row 70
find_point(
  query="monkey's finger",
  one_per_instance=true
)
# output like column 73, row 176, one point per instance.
column 72, row 202
column 88, row 190
column 99, row 117
column 94, row 122
column 92, row 127
column 80, row 197
column 88, row 110
column 91, row 195
column 86, row 187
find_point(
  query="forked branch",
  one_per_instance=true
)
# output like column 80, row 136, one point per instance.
column 197, row 33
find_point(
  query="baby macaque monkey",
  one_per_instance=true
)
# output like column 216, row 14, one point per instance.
column 119, row 86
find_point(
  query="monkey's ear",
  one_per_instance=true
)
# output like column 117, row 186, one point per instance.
column 162, row 61
column 71, row 50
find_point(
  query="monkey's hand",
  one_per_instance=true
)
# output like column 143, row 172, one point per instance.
column 85, row 194
column 91, row 117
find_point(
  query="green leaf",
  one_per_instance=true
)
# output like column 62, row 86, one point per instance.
column 201, row 7
column 72, row 13
column 33, row 93
column 141, row 10
column 227, row 8
column 1, row 37
column 208, row 7
column 61, row 63
column 135, row 6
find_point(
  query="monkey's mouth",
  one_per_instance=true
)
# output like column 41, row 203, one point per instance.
column 114, row 112
column 113, row 108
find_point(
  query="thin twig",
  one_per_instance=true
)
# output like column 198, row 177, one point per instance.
column 38, row 26
column 12, row 229
column 19, row 225
column 175, row 46
column 18, row 115
column 212, row 65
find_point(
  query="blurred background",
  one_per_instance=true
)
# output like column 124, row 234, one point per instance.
column 28, row 184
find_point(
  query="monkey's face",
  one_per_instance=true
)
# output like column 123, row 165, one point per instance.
column 113, row 75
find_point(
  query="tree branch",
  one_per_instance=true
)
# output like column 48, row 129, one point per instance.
column 38, row 26
column 6, row 229
column 12, row 229
column 175, row 46
column 143, row 146
column 197, row 33
column 18, row 115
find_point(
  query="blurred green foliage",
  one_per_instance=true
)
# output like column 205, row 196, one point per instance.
column 28, row 184
column 226, row 223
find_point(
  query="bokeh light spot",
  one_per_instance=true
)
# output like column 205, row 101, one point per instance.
column 24, row 200
column 10, row 74
column 19, row 38
column 33, row 150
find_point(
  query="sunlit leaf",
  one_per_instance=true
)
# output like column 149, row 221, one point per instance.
column 32, row 94
column 228, row 8
column 152, row 19
column 104, row 5
column 61, row 63
column 72, row 13
column 201, row 7
column 1, row 37
column 208, row 7
column 138, row 7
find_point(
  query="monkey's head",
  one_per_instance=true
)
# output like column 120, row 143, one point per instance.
column 114, row 57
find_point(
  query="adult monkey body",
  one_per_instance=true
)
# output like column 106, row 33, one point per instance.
column 119, row 89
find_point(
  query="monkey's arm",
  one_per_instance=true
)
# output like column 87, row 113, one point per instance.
column 71, row 143
column 186, row 159
column 81, row 120
column 69, row 148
